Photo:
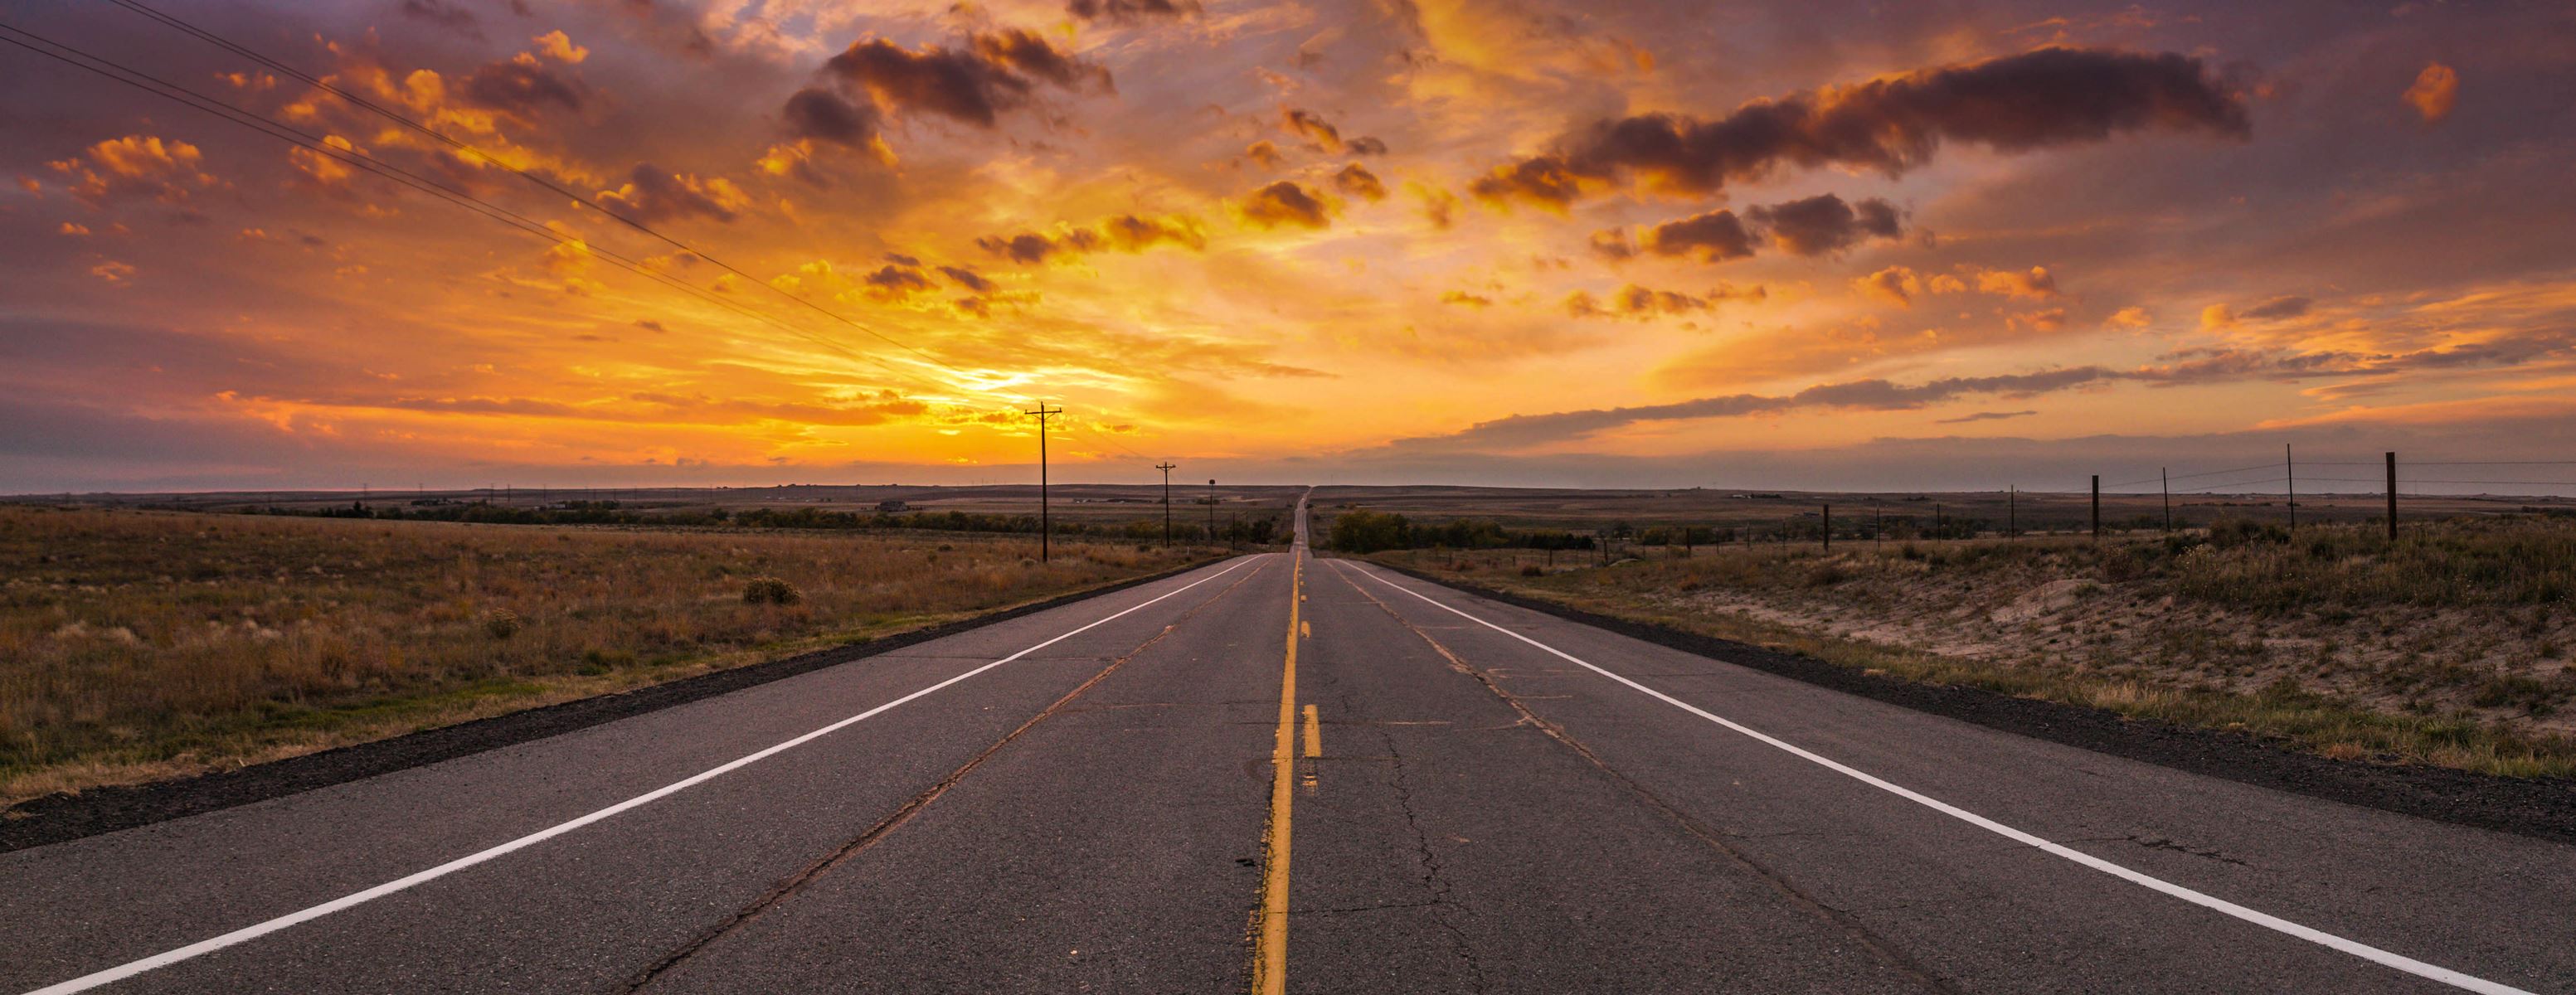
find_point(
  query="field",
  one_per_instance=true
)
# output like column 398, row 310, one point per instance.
column 137, row 645
column 2449, row 647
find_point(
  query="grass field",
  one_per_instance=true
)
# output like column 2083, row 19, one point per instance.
column 2450, row 647
column 141, row 645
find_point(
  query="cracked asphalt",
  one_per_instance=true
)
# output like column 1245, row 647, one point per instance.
column 1479, row 816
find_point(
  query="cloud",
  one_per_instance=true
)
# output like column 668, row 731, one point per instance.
column 2277, row 308
column 1716, row 236
column 817, row 115
column 893, row 282
column 1131, row 11
column 1125, row 233
column 651, row 195
column 1265, row 153
column 2127, row 317
column 1824, row 224
column 1284, row 203
column 558, row 46
column 967, row 278
column 2040, row 99
column 1439, row 206
column 442, row 13
column 1357, row 181
column 2035, row 283
column 1323, row 135
column 2435, row 91
column 993, row 73
column 1897, row 285
column 135, row 165
column 1978, row 416
column 521, row 86
column 1642, row 303
column 1870, row 395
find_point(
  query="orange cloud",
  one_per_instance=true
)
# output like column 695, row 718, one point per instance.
column 138, row 165
column 1284, row 204
column 2435, row 91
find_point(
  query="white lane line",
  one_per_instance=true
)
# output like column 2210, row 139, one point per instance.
column 2320, row 937
column 128, row 970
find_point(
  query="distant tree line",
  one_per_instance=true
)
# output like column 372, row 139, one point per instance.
column 1257, row 530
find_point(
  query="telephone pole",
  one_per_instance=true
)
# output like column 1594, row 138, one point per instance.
column 1045, row 528
column 1211, row 509
column 1167, row 466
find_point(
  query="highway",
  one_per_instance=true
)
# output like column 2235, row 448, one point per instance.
column 1285, row 773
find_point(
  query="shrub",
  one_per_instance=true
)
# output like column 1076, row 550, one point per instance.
column 503, row 623
column 770, row 591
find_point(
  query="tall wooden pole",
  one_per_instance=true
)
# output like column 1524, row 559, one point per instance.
column 1046, row 528
column 1167, row 466
column 2392, row 497
column 2097, row 506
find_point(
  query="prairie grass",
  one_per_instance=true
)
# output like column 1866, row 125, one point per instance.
column 2447, row 647
column 140, row 645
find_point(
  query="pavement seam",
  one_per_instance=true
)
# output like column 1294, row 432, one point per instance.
column 1897, row 959
column 789, row 887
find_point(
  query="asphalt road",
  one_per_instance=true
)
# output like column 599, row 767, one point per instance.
column 1283, row 773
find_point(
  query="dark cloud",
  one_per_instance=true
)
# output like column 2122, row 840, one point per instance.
column 1871, row 395
column 1125, row 233
column 651, row 194
column 1284, row 203
column 2038, row 99
column 1357, row 181
column 1824, row 224
column 895, row 282
column 1979, row 416
column 1131, row 11
column 442, row 13
column 1264, row 152
column 1712, row 237
column 521, row 87
column 1312, row 127
column 2277, row 308
column 968, row 279
column 995, row 72
column 823, row 116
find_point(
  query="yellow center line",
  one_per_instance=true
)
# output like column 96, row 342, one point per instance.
column 1314, row 733
column 1270, row 957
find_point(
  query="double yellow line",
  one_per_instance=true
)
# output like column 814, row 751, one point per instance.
column 1270, row 954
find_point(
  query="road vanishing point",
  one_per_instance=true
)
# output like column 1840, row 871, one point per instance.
column 1279, row 773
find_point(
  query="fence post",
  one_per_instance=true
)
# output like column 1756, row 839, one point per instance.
column 1829, row 528
column 2165, row 481
column 2392, row 497
column 2097, row 507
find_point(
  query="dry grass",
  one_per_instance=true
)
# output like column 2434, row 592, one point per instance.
column 138, row 645
column 2449, row 647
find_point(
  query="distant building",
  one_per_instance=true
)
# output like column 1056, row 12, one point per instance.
column 893, row 506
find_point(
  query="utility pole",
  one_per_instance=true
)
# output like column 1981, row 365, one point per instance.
column 2165, row 478
column 2291, row 471
column 1046, row 529
column 2392, row 497
column 1167, row 466
column 2097, row 507
column 1829, row 527
column 1211, row 509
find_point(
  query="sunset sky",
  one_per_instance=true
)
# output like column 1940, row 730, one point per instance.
column 1787, row 244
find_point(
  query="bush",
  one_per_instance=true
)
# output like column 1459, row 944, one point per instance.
column 503, row 623
column 770, row 591
column 1532, row 570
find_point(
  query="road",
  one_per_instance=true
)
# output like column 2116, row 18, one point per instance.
column 1281, row 773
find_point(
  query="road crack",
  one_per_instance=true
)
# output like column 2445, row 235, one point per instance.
column 1434, row 881
column 795, row 883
